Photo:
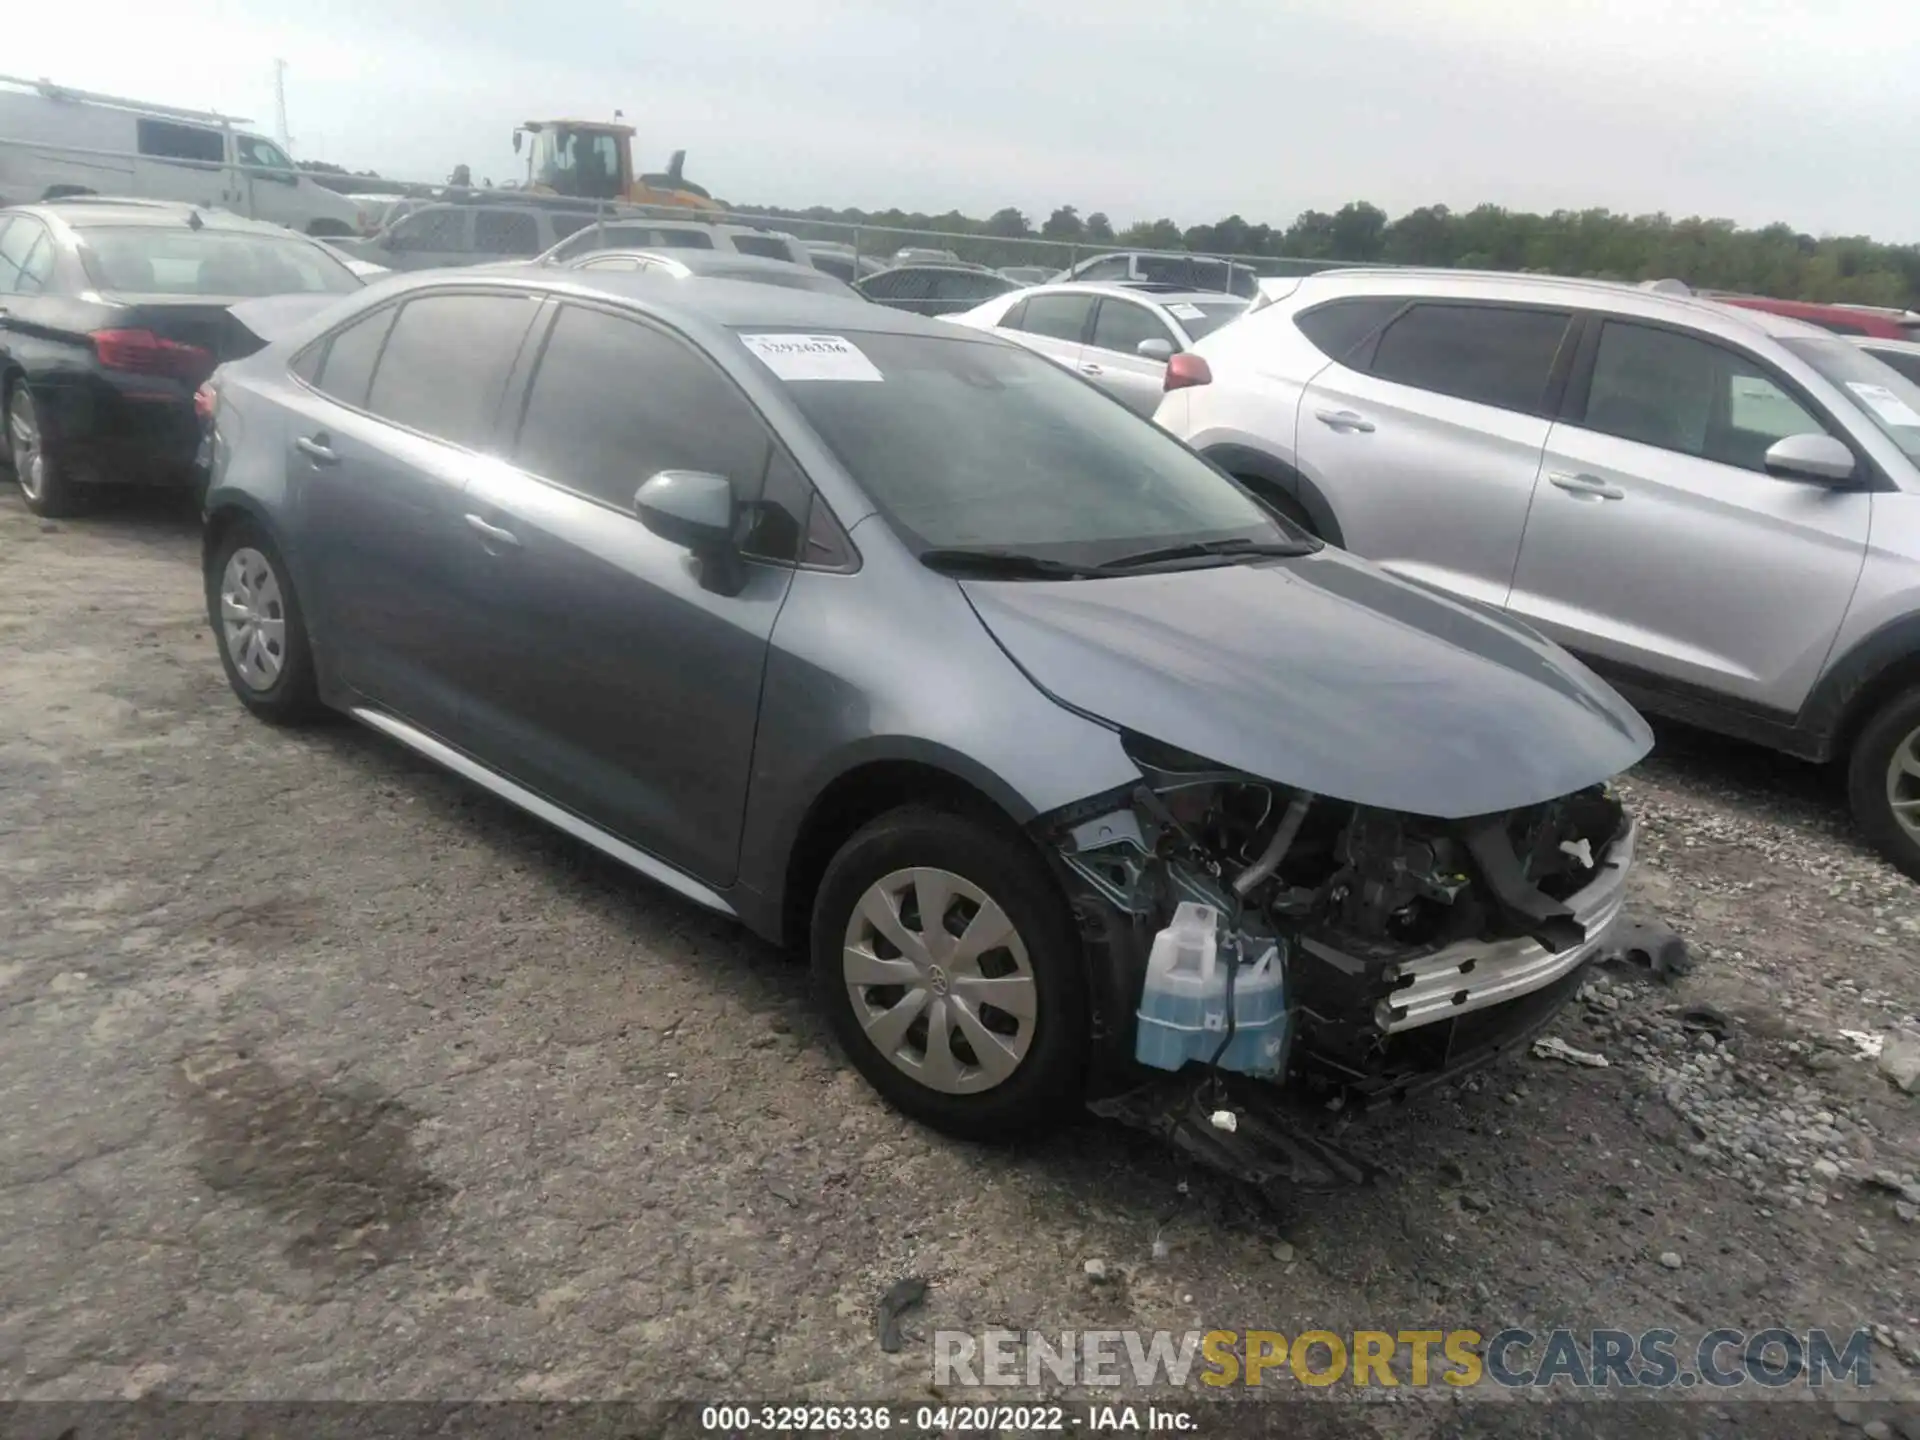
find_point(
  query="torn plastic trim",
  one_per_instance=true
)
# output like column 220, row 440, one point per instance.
column 1475, row 974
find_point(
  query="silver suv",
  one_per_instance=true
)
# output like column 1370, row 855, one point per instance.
column 1719, row 509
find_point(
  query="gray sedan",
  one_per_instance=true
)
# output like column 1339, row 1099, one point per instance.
column 902, row 646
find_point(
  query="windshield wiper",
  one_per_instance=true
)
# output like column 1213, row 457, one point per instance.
column 1013, row 564
column 1203, row 549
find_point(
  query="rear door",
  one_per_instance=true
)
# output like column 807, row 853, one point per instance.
column 1658, row 540
column 1111, row 358
column 613, row 682
column 1054, row 323
column 1426, row 438
column 404, row 409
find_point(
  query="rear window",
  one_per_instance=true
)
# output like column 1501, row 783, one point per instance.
column 150, row 260
column 1212, row 315
column 768, row 247
column 685, row 240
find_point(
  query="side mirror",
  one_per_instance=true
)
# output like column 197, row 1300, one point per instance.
column 1819, row 458
column 695, row 510
column 1160, row 350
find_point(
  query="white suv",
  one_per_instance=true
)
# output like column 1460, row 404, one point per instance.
column 1718, row 508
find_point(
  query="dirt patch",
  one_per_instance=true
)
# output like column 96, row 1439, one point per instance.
column 333, row 1163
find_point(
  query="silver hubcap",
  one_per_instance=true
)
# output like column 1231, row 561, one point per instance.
column 1903, row 784
column 940, row 980
column 253, row 618
column 23, row 435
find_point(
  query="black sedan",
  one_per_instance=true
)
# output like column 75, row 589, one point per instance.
column 112, row 313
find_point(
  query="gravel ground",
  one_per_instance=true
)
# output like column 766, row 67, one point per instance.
column 324, row 1075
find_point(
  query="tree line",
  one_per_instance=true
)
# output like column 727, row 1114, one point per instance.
column 1772, row 260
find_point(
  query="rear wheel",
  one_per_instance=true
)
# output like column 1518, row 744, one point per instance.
column 257, row 622
column 1883, row 780
column 33, row 454
column 947, row 964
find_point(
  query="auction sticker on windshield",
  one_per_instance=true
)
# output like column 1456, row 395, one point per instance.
column 812, row 357
column 1884, row 403
column 1186, row 311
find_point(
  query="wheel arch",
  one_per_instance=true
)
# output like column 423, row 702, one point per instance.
column 1274, row 479
column 863, row 791
column 1884, row 663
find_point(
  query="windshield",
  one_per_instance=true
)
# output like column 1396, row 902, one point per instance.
column 970, row 445
column 1203, row 317
column 151, row 260
column 1882, row 394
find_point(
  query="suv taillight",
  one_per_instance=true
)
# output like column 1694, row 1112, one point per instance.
column 1186, row 369
column 145, row 353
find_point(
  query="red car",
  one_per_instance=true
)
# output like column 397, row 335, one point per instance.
column 1841, row 319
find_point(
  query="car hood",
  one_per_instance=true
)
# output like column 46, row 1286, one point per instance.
column 1325, row 674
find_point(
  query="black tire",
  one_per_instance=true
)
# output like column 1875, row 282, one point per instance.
column 1892, row 729
column 1048, row 1085
column 292, row 697
column 52, row 494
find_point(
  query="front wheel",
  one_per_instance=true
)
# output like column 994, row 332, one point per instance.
column 946, row 961
column 1883, row 780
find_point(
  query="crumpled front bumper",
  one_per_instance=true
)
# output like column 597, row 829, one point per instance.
column 1475, row 974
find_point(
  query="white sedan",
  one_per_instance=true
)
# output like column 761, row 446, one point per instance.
column 1120, row 337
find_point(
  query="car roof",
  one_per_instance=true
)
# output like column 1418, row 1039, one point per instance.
column 1882, row 342
column 706, row 302
column 1134, row 292
column 700, row 260
column 1615, row 295
column 77, row 212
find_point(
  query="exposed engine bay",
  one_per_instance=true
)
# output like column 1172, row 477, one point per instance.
column 1404, row 944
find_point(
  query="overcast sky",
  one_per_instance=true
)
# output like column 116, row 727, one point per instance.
column 1755, row 110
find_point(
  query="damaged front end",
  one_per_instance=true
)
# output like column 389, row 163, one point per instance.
column 1251, row 929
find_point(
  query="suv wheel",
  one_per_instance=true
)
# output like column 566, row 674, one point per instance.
column 43, row 480
column 948, row 967
column 256, row 620
column 1883, row 780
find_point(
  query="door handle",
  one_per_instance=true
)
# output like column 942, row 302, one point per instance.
column 1089, row 368
column 1344, row 420
column 492, row 534
column 316, row 449
column 1587, row 485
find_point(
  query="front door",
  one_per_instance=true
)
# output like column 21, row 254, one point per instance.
column 1427, row 440
column 1657, row 539
column 379, row 460
column 621, row 686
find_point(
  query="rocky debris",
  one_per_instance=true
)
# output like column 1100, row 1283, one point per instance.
column 1552, row 1047
column 1899, row 1061
column 1748, row 1116
column 900, row 1297
column 1671, row 1259
column 1095, row 1271
column 1283, row 1252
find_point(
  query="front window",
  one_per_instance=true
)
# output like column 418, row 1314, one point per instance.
column 151, row 260
column 1889, row 400
column 260, row 154
column 968, row 445
column 577, row 162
